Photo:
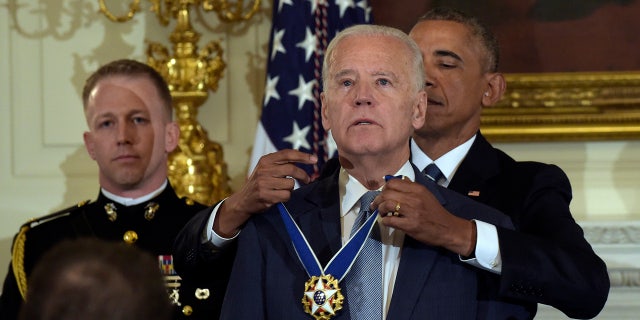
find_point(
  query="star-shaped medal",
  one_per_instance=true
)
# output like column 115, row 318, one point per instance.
column 322, row 297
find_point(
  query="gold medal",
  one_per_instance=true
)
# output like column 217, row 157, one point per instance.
column 322, row 297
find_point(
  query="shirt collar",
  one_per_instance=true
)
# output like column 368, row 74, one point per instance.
column 447, row 163
column 134, row 201
column 351, row 190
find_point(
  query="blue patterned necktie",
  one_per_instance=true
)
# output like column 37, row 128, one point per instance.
column 433, row 172
column 363, row 283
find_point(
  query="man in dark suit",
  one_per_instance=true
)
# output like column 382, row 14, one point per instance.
column 373, row 100
column 546, row 259
column 128, row 109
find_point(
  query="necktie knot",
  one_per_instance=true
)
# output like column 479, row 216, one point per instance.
column 366, row 199
column 365, row 212
column 433, row 172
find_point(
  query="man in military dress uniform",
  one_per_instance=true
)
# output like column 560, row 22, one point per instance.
column 128, row 109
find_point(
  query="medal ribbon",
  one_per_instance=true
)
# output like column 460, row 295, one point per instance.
column 341, row 261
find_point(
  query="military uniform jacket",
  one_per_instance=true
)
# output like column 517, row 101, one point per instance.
column 154, row 223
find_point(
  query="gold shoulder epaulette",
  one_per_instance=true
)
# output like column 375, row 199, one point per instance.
column 17, row 253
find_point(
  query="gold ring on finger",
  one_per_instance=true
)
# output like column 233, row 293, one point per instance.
column 396, row 211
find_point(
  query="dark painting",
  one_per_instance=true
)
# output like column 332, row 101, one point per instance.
column 543, row 35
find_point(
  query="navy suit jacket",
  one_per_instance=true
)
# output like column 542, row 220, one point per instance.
column 548, row 259
column 267, row 279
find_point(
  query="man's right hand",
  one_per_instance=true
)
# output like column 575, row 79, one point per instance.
column 271, row 182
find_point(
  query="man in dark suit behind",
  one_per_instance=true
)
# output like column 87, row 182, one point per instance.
column 546, row 260
column 373, row 100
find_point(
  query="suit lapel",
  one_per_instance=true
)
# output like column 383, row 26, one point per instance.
column 416, row 262
column 318, row 216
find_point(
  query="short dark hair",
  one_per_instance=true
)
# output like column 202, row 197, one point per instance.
column 90, row 278
column 477, row 29
column 128, row 67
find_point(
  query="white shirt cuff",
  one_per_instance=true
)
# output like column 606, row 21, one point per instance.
column 210, row 236
column 487, row 254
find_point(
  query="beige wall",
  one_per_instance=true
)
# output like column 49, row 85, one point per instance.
column 46, row 54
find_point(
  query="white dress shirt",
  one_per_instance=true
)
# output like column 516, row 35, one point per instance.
column 487, row 252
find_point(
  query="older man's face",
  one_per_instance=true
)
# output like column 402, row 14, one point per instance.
column 370, row 102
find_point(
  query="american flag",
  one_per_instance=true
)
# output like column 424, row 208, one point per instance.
column 300, row 34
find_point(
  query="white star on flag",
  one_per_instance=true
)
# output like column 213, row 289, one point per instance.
column 304, row 91
column 344, row 5
column 309, row 44
column 298, row 137
column 271, row 91
column 277, row 44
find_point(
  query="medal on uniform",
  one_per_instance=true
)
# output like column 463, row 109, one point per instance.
column 171, row 278
column 322, row 297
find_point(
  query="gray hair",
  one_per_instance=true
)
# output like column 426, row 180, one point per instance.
column 377, row 30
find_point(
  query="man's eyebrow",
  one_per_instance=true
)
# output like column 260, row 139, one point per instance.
column 447, row 53
column 389, row 74
column 343, row 73
column 130, row 113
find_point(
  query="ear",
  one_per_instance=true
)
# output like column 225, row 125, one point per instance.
column 419, row 111
column 323, row 111
column 172, row 136
column 496, row 86
column 89, row 145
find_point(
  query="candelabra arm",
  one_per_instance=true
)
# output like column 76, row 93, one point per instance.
column 164, row 15
column 231, row 12
column 133, row 8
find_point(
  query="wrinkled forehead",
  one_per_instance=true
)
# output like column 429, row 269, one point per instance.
column 374, row 52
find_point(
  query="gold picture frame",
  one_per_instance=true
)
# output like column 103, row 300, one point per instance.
column 566, row 107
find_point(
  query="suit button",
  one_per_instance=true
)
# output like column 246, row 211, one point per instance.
column 187, row 310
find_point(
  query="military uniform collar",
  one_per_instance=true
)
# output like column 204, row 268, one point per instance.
column 133, row 201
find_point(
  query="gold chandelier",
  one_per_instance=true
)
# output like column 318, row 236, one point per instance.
column 196, row 168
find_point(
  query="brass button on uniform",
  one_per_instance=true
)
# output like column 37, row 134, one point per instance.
column 130, row 237
column 187, row 310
